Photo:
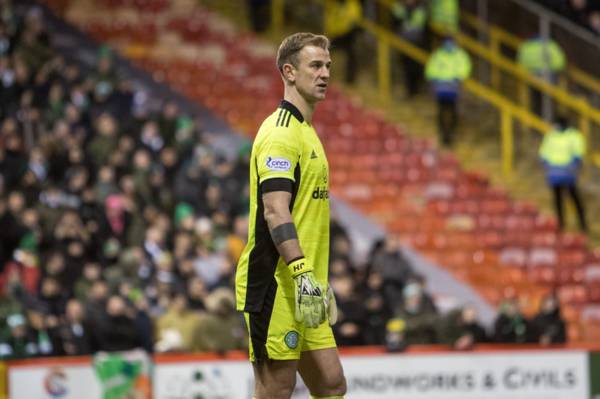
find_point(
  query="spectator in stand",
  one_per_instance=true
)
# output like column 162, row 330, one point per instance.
column 548, row 324
column 52, row 297
column 43, row 332
column 89, row 179
column 393, row 267
column 562, row 152
column 582, row 12
column 197, row 294
column 445, row 15
column 33, row 42
column 117, row 330
column 446, row 69
column 177, row 328
column 419, row 320
column 258, row 11
column 576, row 10
column 511, row 326
column 378, row 309
column 594, row 21
column 410, row 20
column 341, row 17
column 11, row 232
column 91, row 273
column 461, row 330
column 17, row 344
column 352, row 314
column 221, row 328
column 75, row 332
column 543, row 58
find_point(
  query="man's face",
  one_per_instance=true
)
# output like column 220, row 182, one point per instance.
column 311, row 76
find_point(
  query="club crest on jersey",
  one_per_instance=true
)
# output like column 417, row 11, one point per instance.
column 291, row 339
column 278, row 164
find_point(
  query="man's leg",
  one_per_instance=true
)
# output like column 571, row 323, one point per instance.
column 558, row 207
column 579, row 207
column 322, row 373
column 274, row 379
column 445, row 120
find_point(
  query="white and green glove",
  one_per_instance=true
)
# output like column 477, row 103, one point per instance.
column 310, row 306
column 331, row 306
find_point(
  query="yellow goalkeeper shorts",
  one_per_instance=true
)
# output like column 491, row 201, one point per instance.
column 276, row 335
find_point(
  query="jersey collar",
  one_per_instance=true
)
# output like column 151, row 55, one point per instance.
column 293, row 110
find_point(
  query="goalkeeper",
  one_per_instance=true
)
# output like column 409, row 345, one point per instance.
column 281, row 278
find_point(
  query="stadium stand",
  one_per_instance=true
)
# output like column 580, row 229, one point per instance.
column 461, row 222
column 583, row 12
column 106, row 169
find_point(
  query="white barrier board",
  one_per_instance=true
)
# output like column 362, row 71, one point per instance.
column 499, row 375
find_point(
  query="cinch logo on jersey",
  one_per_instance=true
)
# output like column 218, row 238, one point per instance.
column 320, row 193
column 278, row 164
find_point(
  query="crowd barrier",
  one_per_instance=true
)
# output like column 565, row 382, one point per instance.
column 427, row 372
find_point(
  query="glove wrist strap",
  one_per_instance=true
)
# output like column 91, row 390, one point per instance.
column 298, row 267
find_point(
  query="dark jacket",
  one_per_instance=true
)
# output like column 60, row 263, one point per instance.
column 453, row 328
column 513, row 330
column 76, row 339
column 118, row 333
column 420, row 327
column 551, row 325
column 351, row 311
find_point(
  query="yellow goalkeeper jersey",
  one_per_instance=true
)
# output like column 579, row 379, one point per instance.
column 285, row 149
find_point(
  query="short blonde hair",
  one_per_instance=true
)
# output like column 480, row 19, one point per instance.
column 293, row 44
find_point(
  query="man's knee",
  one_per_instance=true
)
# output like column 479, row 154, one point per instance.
column 274, row 380
column 277, row 393
column 274, row 392
column 340, row 388
column 334, row 387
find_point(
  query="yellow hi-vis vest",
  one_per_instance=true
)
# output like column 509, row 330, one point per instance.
column 340, row 18
column 445, row 14
column 560, row 148
column 446, row 65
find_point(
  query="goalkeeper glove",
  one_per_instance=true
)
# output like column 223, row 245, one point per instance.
column 309, row 299
column 331, row 306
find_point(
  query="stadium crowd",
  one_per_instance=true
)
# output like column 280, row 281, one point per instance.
column 120, row 226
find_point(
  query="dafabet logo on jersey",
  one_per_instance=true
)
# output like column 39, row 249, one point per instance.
column 278, row 164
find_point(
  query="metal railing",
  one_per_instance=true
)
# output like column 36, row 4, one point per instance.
column 509, row 110
column 585, row 112
column 498, row 37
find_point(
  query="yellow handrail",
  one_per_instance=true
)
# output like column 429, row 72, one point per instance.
column 559, row 94
column 498, row 36
column 508, row 110
column 498, row 62
column 277, row 11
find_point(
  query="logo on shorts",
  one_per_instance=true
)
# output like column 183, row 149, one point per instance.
column 291, row 339
column 278, row 164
